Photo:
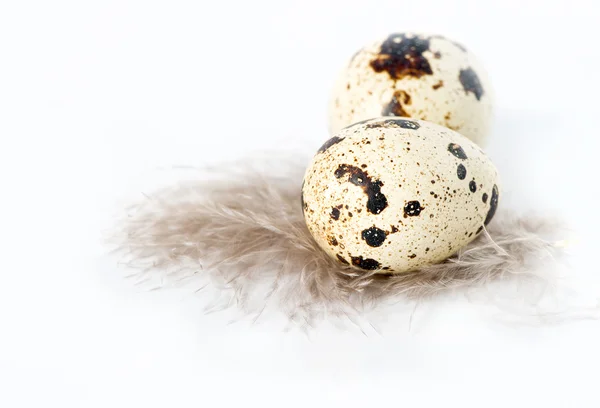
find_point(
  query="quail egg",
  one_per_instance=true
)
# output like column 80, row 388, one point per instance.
column 420, row 76
column 392, row 194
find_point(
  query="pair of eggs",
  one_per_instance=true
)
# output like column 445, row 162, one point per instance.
column 398, row 186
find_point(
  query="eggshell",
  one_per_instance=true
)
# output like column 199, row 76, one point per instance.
column 394, row 194
column 419, row 76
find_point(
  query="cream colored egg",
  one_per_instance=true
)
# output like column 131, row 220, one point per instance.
column 424, row 77
column 394, row 194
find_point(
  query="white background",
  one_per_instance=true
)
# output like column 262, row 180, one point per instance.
column 96, row 94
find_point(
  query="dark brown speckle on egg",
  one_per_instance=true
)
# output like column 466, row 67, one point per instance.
column 470, row 82
column 461, row 172
column 412, row 209
column 396, row 106
column 330, row 142
column 342, row 260
column 437, row 85
column 374, row 236
column 335, row 212
column 457, row 151
column 472, row 186
column 377, row 202
column 402, row 56
column 391, row 123
column 365, row 263
column 493, row 205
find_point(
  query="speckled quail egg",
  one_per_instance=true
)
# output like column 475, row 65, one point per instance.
column 393, row 194
column 418, row 76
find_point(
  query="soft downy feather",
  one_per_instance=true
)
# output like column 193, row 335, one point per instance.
column 240, row 228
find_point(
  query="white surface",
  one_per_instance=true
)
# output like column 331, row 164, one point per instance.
column 95, row 94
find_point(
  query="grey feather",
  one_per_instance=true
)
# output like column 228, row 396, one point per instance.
column 242, row 230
